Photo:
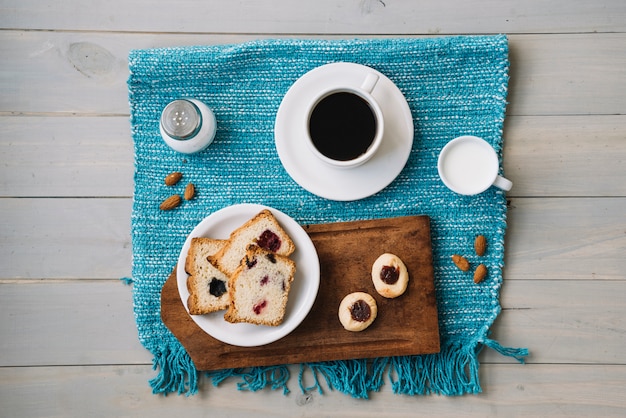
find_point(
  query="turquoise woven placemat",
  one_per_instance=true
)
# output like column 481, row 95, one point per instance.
column 454, row 86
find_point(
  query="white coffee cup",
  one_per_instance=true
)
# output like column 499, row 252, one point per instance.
column 468, row 165
column 344, row 125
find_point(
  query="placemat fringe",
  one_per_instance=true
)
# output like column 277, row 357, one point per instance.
column 177, row 373
column 452, row 372
column 518, row 354
column 255, row 378
column 347, row 376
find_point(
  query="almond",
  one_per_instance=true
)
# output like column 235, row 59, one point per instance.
column 480, row 273
column 170, row 203
column 480, row 245
column 173, row 178
column 461, row 262
column 190, row 191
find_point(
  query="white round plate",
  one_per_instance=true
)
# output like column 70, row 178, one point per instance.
column 303, row 289
column 335, row 183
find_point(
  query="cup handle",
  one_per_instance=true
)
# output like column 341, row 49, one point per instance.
column 370, row 82
column 502, row 183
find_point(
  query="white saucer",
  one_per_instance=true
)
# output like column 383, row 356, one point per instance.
column 335, row 183
column 303, row 289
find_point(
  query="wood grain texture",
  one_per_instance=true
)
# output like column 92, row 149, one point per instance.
column 565, row 156
column 560, row 321
column 566, row 239
column 547, row 76
column 66, row 156
column 92, row 156
column 321, row 17
column 65, row 238
column 346, row 250
column 79, row 321
column 121, row 390
column 563, row 321
column 560, row 238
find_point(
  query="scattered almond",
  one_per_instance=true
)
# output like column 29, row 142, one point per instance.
column 170, row 203
column 480, row 273
column 480, row 245
column 461, row 262
column 173, row 178
column 190, row 191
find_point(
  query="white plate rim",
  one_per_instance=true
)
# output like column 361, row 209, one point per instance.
column 302, row 294
column 335, row 183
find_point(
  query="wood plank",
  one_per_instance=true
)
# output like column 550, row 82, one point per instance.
column 549, row 76
column 552, row 238
column 86, row 72
column 68, row 322
column 508, row 390
column 320, row 336
column 65, row 238
column 320, row 17
column 565, row 155
column 562, row 321
column 566, row 239
column 87, row 322
column 66, row 156
column 93, row 156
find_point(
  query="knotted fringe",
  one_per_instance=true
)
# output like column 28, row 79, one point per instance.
column 177, row 373
column 255, row 378
column 453, row 371
column 354, row 377
column 517, row 353
column 449, row 372
column 127, row 280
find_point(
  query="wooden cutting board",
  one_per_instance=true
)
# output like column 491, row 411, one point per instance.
column 405, row 325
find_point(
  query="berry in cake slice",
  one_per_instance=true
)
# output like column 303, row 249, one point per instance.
column 259, row 288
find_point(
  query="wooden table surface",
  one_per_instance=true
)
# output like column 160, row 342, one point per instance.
column 68, row 341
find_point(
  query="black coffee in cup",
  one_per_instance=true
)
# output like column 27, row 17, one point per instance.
column 342, row 126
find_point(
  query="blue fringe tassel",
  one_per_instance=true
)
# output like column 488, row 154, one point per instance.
column 255, row 378
column 258, row 378
column 177, row 373
column 218, row 376
column 451, row 372
column 127, row 280
column 517, row 353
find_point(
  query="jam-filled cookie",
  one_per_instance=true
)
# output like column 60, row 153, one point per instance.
column 357, row 311
column 390, row 276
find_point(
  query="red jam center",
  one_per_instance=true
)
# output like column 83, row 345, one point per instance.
column 389, row 274
column 360, row 311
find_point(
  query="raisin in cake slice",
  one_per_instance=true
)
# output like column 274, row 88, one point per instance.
column 259, row 289
column 263, row 230
column 207, row 285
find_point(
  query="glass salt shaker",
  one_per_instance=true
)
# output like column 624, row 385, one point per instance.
column 187, row 125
